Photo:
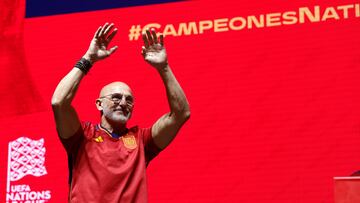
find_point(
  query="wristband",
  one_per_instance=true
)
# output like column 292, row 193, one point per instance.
column 84, row 65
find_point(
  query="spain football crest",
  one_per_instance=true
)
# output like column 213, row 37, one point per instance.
column 129, row 141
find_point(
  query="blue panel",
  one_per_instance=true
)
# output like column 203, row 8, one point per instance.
column 35, row 8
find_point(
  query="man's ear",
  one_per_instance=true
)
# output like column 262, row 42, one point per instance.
column 99, row 104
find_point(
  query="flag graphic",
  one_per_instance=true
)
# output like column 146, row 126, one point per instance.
column 26, row 157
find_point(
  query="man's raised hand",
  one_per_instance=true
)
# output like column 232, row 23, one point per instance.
column 154, row 51
column 98, row 46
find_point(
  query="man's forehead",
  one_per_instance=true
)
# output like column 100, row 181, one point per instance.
column 115, row 87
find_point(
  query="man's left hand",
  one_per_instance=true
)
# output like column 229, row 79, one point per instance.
column 154, row 51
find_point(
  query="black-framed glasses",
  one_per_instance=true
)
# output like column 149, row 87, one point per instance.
column 117, row 97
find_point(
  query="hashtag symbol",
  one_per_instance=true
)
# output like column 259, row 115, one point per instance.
column 134, row 32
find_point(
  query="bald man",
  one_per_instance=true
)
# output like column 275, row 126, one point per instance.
column 107, row 161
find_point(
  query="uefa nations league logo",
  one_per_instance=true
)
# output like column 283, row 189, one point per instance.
column 25, row 157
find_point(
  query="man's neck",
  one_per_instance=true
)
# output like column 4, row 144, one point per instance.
column 113, row 127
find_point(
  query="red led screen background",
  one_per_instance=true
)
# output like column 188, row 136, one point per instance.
column 275, row 108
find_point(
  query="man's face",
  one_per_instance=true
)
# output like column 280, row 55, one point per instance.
column 116, row 102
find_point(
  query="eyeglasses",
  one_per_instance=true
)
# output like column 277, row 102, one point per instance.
column 117, row 98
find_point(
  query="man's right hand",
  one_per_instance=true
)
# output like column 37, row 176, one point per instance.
column 98, row 46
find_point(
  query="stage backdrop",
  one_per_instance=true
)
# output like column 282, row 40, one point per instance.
column 273, row 88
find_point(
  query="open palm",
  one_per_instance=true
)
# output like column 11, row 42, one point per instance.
column 102, row 38
column 154, row 51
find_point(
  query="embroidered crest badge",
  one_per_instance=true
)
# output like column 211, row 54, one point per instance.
column 129, row 141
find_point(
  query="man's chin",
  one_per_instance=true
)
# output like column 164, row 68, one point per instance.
column 121, row 119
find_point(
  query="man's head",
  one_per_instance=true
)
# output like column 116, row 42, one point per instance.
column 116, row 102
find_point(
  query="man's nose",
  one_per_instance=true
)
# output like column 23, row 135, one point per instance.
column 122, row 101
